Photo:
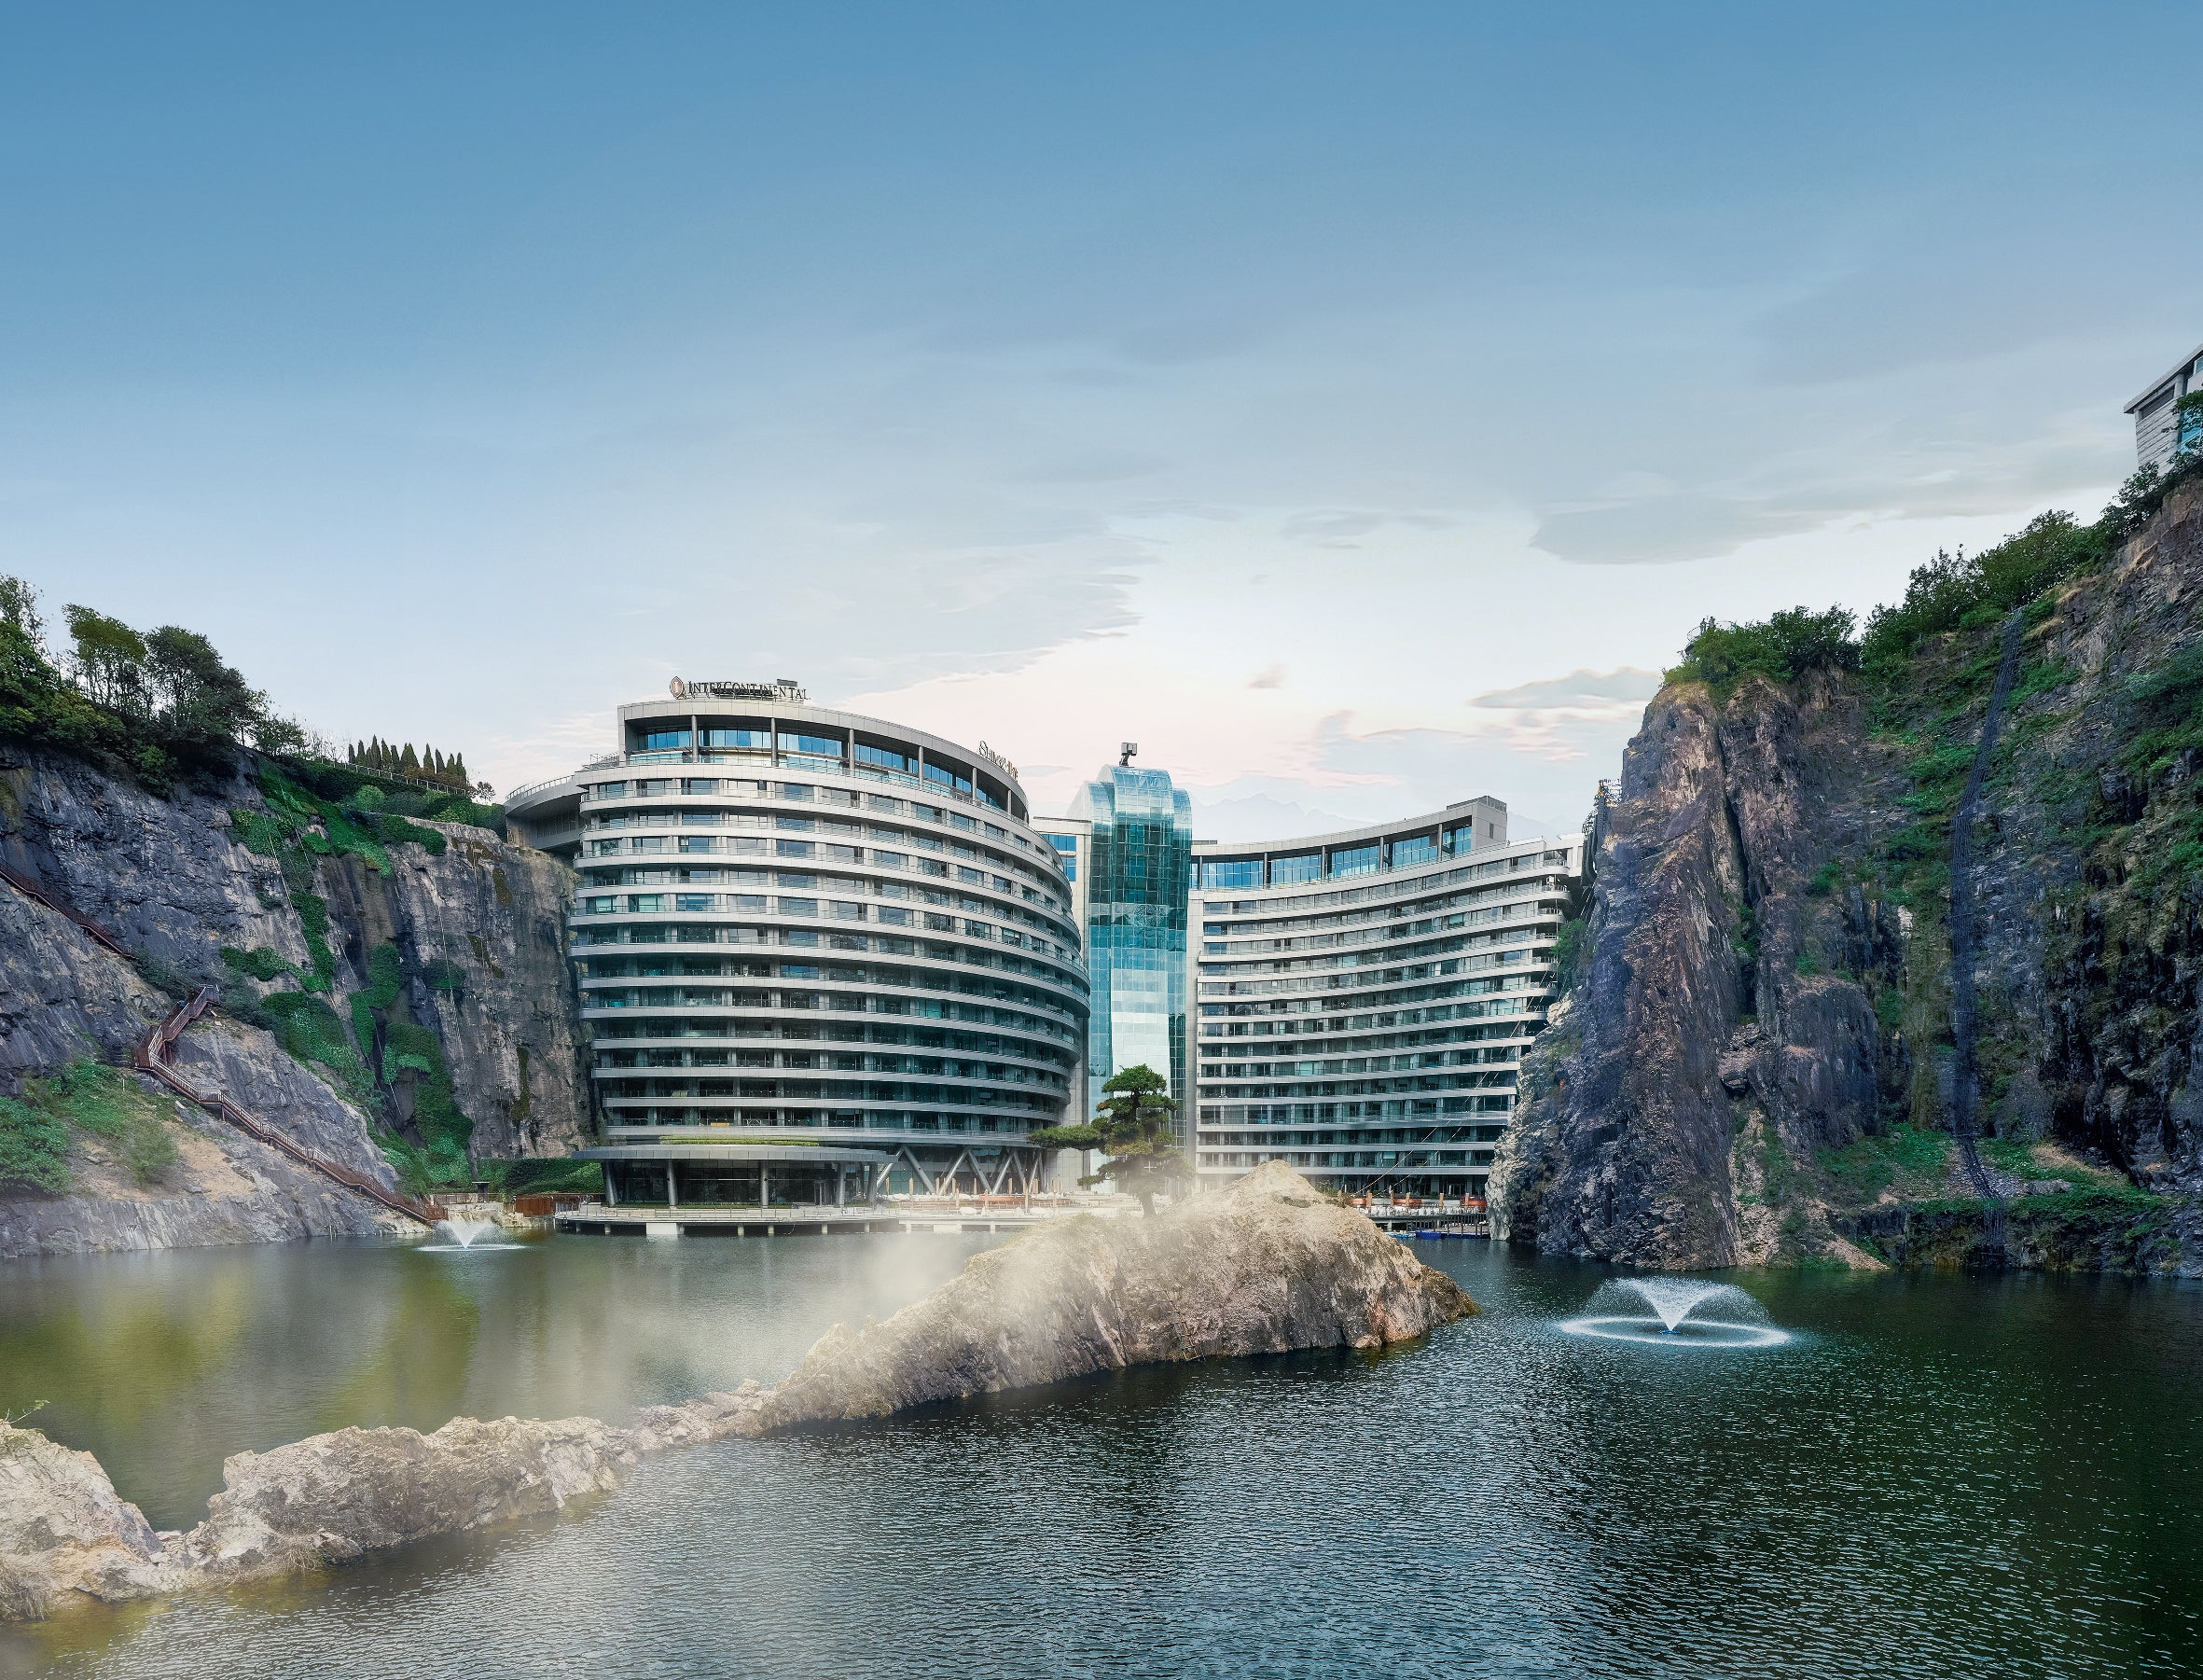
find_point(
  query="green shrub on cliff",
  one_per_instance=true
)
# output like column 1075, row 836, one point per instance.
column 148, row 705
column 87, row 1096
column 308, row 1029
column 34, row 1149
column 105, row 1101
column 1910, row 1161
column 412, row 1056
column 259, row 962
column 2167, row 714
column 1781, row 648
column 531, row 1177
column 1941, row 594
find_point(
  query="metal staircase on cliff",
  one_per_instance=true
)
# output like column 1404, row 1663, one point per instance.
column 152, row 1057
column 38, row 895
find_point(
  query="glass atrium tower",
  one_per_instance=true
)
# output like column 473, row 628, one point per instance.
column 1140, row 877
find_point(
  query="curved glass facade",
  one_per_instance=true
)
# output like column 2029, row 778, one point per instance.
column 1139, row 871
column 1363, row 1010
column 813, row 926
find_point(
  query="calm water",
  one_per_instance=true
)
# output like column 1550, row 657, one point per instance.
column 1938, row 1476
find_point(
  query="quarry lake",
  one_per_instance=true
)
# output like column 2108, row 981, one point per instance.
column 1934, row 1475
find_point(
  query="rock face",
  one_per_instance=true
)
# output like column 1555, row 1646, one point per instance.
column 512, row 1029
column 1765, row 993
column 65, row 1533
column 1268, row 1267
column 1263, row 1267
column 478, row 932
column 491, row 918
column 63, row 996
column 330, row 1499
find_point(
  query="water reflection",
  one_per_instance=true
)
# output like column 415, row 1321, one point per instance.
column 1940, row 1476
column 162, row 1364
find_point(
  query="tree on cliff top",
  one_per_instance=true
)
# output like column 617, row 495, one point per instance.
column 152, row 701
column 1133, row 1130
column 1781, row 648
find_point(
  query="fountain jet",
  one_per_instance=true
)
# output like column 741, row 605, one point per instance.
column 1732, row 1318
column 464, row 1234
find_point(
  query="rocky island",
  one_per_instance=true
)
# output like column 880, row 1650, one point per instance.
column 1268, row 1267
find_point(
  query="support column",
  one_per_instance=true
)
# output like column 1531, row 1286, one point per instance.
column 611, row 1187
column 842, row 1186
column 673, row 1193
column 764, row 1186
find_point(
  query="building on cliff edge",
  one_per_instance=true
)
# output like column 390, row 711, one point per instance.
column 1364, row 998
column 814, row 950
column 2160, row 430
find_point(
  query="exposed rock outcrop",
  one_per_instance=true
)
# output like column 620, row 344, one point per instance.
column 331, row 1498
column 64, row 997
column 1268, row 1267
column 1765, row 997
column 1262, row 1267
column 477, row 934
column 65, row 1533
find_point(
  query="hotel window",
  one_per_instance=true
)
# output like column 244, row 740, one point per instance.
column 742, row 740
column 664, row 740
column 1357, row 860
column 879, row 758
column 1231, row 872
column 946, row 778
column 1422, row 849
column 1292, row 872
column 813, row 746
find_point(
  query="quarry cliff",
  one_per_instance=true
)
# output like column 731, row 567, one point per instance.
column 384, row 986
column 1762, row 1056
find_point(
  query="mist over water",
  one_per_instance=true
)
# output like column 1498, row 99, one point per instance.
column 1940, row 1476
column 162, row 1364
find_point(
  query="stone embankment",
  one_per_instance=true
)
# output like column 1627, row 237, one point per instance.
column 1269, row 1266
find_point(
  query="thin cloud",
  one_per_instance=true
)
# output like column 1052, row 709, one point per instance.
column 1579, row 692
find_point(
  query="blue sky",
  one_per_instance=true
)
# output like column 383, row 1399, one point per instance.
column 1354, row 406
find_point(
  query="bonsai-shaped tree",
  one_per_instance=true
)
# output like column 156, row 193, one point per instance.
column 1133, row 1130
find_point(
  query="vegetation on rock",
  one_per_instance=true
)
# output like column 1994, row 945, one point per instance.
column 85, row 1099
column 153, row 704
column 1133, row 1127
column 1795, row 814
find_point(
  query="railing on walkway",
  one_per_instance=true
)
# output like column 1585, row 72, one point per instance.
column 38, row 895
column 153, row 1058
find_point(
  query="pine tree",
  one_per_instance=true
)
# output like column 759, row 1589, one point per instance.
column 1133, row 1127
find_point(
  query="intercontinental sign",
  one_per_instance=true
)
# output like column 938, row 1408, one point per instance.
column 785, row 689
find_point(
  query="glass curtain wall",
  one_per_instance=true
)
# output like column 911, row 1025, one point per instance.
column 1141, row 869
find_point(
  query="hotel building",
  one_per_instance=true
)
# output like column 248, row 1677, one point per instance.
column 816, row 951
column 1364, row 998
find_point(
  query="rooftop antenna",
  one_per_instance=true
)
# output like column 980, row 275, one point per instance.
column 1124, row 751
